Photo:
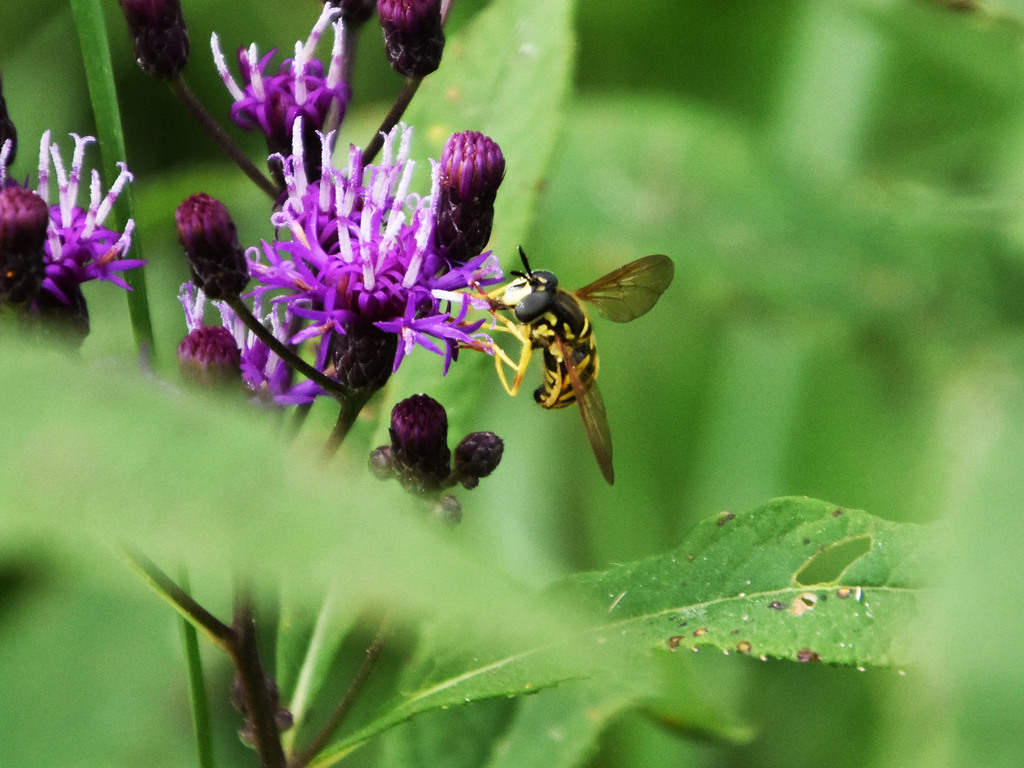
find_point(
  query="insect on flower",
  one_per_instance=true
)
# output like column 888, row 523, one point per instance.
column 556, row 320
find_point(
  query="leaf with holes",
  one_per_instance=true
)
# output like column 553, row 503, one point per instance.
column 795, row 578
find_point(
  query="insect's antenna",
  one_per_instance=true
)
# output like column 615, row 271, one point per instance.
column 522, row 255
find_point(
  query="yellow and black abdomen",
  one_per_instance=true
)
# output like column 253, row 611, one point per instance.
column 566, row 321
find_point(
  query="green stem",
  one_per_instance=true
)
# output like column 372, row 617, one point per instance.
column 326, row 733
column 261, row 708
column 350, row 408
column 391, row 119
column 197, row 688
column 216, row 631
column 196, row 108
column 99, row 73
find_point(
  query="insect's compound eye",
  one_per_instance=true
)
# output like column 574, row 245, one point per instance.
column 534, row 304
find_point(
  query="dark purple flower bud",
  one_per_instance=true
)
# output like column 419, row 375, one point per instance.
column 215, row 257
column 419, row 443
column 159, row 35
column 413, row 35
column 354, row 11
column 23, row 219
column 210, row 356
column 471, row 170
column 363, row 356
column 478, row 455
column 7, row 130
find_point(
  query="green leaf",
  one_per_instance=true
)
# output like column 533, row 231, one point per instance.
column 306, row 648
column 744, row 583
column 460, row 737
column 732, row 585
column 560, row 728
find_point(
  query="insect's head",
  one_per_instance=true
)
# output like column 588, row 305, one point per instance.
column 532, row 293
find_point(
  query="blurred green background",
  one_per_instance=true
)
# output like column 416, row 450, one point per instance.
column 841, row 187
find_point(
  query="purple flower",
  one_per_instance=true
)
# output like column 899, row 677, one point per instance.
column 356, row 248
column 272, row 102
column 78, row 247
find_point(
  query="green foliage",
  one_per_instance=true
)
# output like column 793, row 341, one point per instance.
column 741, row 583
column 839, row 187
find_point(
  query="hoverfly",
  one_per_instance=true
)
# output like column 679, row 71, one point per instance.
column 555, row 320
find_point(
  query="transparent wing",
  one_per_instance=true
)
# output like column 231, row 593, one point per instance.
column 595, row 421
column 630, row 291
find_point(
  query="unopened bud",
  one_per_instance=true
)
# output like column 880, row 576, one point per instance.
column 413, row 35
column 23, row 219
column 210, row 356
column 419, row 443
column 159, row 35
column 478, row 455
column 215, row 257
column 381, row 464
column 471, row 170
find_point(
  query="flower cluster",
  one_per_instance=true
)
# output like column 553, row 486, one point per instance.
column 76, row 246
column 361, row 254
column 361, row 269
column 272, row 102
column 419, row 457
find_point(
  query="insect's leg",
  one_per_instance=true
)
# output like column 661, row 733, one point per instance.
column 501, row 359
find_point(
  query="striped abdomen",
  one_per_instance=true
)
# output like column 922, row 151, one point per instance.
column 566, row 321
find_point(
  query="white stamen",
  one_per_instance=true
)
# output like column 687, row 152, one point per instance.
column 405, row 146
column 222, row 68
column 326, row 170
column 326, row 17
column 364, row 246
column 44, row 168
column 192, row 301
column 124, row 242
column 255, row 76
column 103, row 210
column 299, row 71
column 435, row 180
column 94, row 204
column 423, row 232
column 63, row 200
column 334, row 73
column 403, row 185
column 5, row 150
column 299, row 167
